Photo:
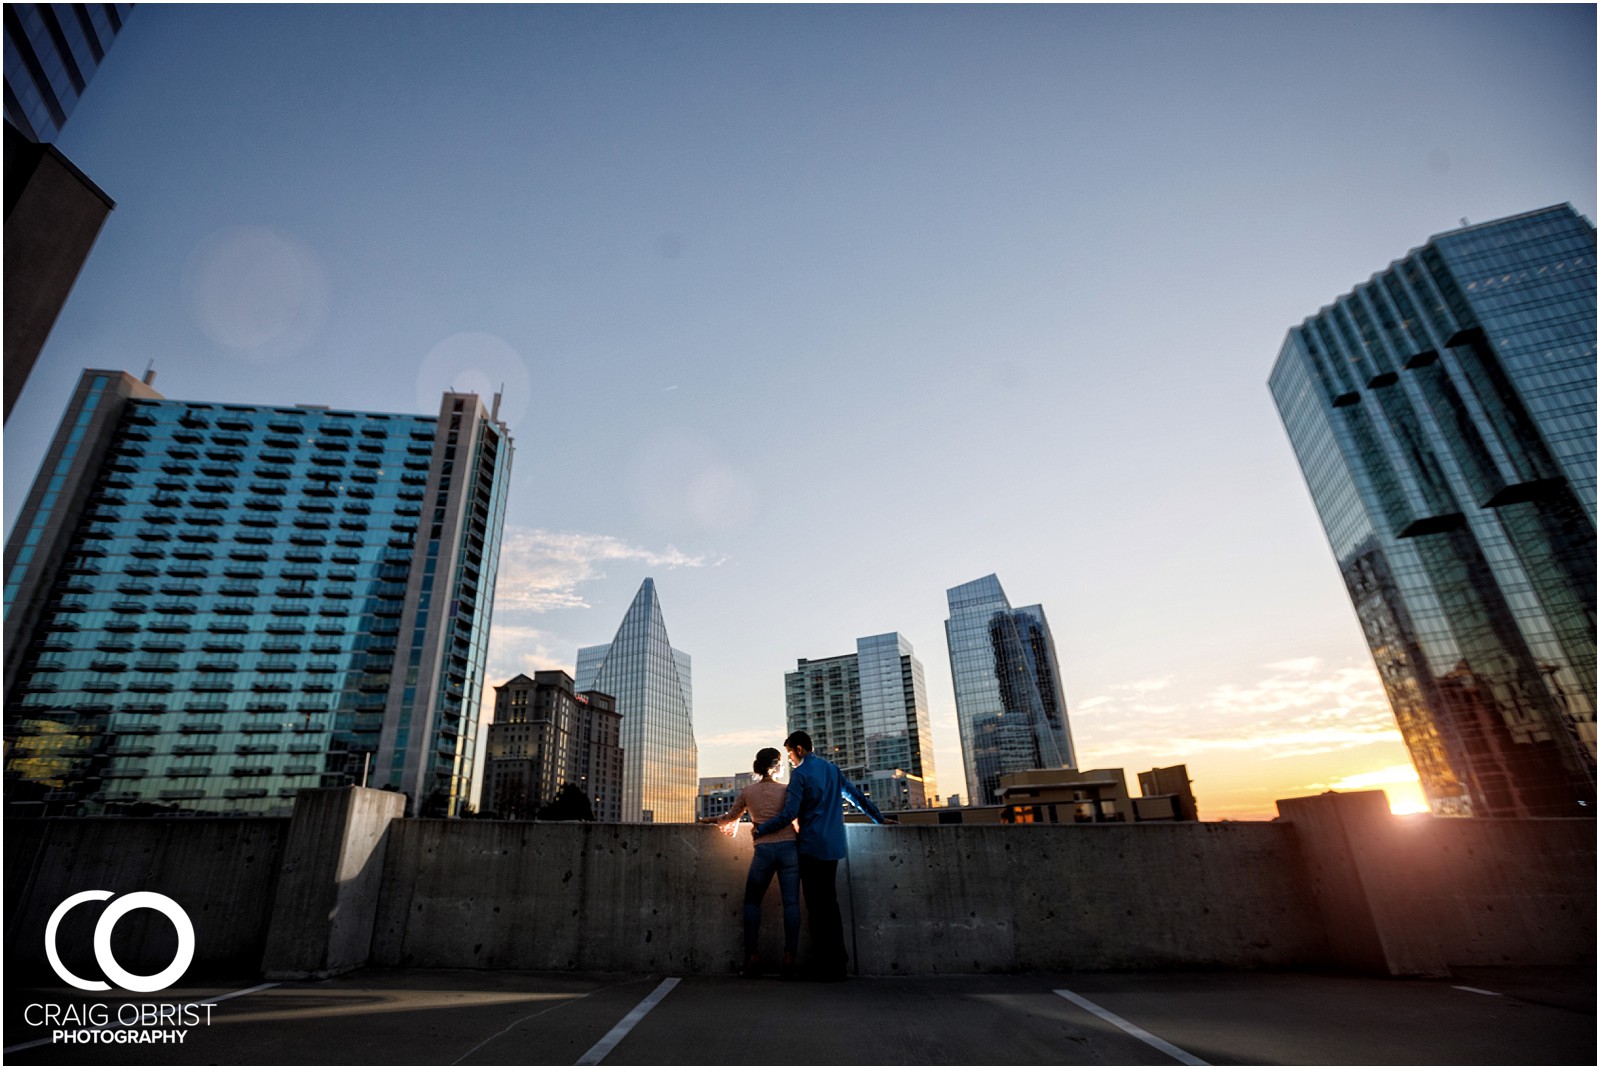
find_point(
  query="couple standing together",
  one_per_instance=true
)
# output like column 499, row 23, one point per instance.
column 808, row 859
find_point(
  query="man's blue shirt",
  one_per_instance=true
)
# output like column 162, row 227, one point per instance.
column 816, row 787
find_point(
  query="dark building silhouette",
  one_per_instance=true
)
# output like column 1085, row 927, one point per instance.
column 53, row 210
column 546, row 736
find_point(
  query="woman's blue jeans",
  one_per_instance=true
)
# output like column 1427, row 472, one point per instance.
column 782, row 860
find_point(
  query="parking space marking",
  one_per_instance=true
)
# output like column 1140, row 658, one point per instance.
column 598, row 1052
column 1182, row 1056
column 1477, row 991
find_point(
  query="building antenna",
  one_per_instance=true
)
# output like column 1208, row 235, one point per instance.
column 495, row 413
column 149, row 373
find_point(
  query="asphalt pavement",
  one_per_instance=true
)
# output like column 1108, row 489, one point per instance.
column 459, row 1017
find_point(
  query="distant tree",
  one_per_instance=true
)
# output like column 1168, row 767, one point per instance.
column 570, row 803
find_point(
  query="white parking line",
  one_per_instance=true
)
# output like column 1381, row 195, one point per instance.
column 1477, row 991
column 1182, row 1056
column 219, row 998
column 598, row 1052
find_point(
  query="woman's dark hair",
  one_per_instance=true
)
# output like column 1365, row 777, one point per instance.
column 766, row 760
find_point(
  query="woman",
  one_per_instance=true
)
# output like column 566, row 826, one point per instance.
column 775, row 854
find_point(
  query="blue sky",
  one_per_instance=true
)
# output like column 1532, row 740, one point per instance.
column 813, row 312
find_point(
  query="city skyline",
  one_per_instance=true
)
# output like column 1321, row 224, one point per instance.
column 854, row 303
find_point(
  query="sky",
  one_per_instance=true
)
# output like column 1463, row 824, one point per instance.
column 811, row 313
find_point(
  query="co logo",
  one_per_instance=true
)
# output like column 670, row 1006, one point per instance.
column 102, row 941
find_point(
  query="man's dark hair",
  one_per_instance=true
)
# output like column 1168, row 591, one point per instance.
column 798, row 740
column 766, row 760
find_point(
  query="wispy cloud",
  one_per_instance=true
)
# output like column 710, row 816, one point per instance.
column 747, row 737
column 1295, row 709
column 543, row 570
column 1144, row 686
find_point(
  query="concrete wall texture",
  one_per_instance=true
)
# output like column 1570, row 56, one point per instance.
column 222, row 871
column 1336, row 882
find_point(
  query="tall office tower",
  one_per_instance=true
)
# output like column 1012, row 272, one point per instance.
column 545, row 734
column 1444, row 416
column 53, row 211
column 1009, row 702
column 650, row 680
column 211, row 606
column 867, row 712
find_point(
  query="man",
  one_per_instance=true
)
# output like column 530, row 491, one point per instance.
column 816, row 787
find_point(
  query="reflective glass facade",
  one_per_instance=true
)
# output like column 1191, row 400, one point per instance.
column 1009, row 699
column 867, row 712
column 209, row 606
column 1443, row 414
column 650, row 680
column 52, row 50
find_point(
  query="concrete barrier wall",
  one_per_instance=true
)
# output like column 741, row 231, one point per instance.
column 929, row 898
column 524, row 895
column 1337, row 881
column 917, row 899
column 222, row 871
column 1505, row 892
column 1413, row 896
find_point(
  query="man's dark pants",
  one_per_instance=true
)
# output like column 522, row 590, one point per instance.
column 822, row 903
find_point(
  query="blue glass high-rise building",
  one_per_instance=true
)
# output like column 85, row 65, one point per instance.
column 1009, row 701
column 1444, row 416
column 52, row 50
column 867, row 712
column 650, row 680
column 211, row 606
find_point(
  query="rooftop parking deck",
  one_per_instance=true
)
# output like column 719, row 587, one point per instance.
column 468, row 1017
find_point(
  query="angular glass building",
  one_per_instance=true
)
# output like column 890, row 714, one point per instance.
column 867, row 712
column 650, row 681
column 53, row 212
column 1009, row 701
column 1443, row 413
column 52, row 50
column 211, row 606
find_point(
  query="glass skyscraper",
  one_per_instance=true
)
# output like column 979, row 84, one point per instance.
column 650, row 680
column 867, row 711
column 52, row 50
column 1444, row 416
column 1009, row 701
column 53, row 212
column 211, row 606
